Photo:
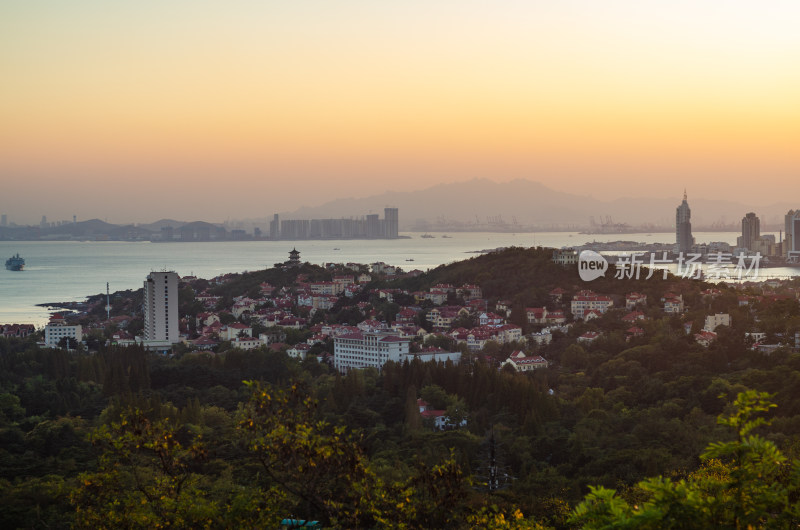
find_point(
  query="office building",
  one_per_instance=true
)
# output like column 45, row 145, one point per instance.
column 791, row 243
column 391, row 220
column 161, row 307
column 751, row 232
column 275, row 227
column 683, row 227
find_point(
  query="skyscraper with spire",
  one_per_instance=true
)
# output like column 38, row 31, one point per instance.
column 683, row 227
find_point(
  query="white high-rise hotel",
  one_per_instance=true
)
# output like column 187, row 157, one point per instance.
column 161, row 307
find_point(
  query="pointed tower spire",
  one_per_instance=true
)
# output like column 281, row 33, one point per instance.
column 684, row 194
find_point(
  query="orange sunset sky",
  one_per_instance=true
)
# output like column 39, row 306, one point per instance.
column 136, row 111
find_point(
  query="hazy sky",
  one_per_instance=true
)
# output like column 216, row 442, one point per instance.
column 134, row 111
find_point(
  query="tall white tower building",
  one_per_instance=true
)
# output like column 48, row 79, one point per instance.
column 683, row 227
column 161, row 307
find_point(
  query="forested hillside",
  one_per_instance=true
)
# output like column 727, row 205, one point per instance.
column 126, row 438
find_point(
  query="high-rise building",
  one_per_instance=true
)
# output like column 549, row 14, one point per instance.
column 391, row 221
column 3, row 220
column 373, row 226
column 275, row 227
column 791, row 243
column 683, row 227
column 161, row 307
column 751, row 232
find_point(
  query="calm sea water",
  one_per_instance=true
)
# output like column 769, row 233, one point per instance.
column 60, row 271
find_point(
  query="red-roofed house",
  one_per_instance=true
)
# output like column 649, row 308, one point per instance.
column 536, row 315
column 673, row 303
column 557, row 294
column 556, row 317
column 437, row 418
column 246, row 343
column 633, row 332
column 299, row 351
column 490, row 319
column 591, row 314
column 469, row 292
column 634, row 299
column 523, row 363
column 587, row 301
column 406, row 315
column 589, row 336
column 503, row 307
column 234, row 329
column 633, row 316
column 705, row 338
column 204, row 343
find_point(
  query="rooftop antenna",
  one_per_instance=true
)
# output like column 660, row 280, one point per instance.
column 108, row 303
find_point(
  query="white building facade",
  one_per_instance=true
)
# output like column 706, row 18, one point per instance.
column 53, row 333
column 161, row 307
column 370, row 349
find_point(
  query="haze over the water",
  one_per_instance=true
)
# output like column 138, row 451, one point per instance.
column 137, row 111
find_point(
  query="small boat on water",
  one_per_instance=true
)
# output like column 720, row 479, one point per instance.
column 426, row 236
column 410, row 259
column 15, row 263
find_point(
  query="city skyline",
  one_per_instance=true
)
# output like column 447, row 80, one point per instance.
column 146, row 110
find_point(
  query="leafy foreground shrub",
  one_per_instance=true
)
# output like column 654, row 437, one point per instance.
column 744, row 483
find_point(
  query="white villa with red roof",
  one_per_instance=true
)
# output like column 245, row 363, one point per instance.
column 406, row 315
column 524, row 363
column 234, row 329
column 591, row 314
column 634, row 299
column 469, row 292
column 588, row 300
column 633, row 332
column 589, row 336
column 556, row 317
column 442, row 318
column 490, row 319
column 673, row 303
column 705, row 338
column 536, row 315
column 557, row 294
column 503, row 307
column 633, row 316
column 299, row 351
column 246, row 343
column 438, row 418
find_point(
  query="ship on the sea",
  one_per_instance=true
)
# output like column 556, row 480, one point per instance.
column 15, row 263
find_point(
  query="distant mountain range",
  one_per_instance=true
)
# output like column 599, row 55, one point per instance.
column 474, row 205
column 482, row 203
